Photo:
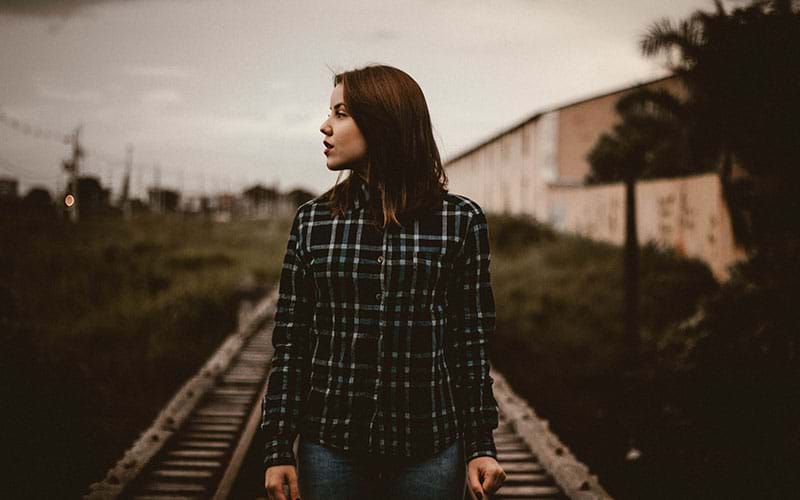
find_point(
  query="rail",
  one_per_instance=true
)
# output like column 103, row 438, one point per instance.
column 199, row 442
column 195, row 446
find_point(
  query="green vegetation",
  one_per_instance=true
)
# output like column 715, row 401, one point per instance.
column 714, row 394
column 720, row 393
column 560, row 342
column 739, row 114
column 100, row 323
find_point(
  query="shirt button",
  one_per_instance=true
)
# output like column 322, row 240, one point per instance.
column 378, row 295
column 380, row 258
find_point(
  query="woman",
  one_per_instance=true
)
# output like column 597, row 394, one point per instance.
column 383, row 317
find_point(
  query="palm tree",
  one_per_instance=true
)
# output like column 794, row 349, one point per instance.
column 654, row 121
column 635, row 149
column 740, row 69
column 740, row 72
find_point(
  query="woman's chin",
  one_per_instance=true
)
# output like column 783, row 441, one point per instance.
column 335, row 167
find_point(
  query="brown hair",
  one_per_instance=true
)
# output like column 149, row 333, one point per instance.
column 403, row 164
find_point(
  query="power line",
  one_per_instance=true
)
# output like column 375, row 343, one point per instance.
column 36, row 131
column 26, row 128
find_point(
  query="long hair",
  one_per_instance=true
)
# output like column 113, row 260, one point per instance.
column 403, row 164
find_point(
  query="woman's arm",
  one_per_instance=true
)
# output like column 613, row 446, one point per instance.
column 282, row 404
column 474, row 315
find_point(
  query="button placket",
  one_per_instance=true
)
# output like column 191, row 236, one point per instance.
column 382, row 323
column 379, row 295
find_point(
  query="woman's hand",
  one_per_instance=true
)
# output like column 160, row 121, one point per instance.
column 276, row 477
column 485, row 476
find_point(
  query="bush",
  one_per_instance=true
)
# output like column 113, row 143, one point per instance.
column 100, row 323
column 510, row 234
column 734, row 371
column 560, row 344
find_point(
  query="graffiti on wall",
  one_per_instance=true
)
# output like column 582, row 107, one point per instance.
column 684, row 214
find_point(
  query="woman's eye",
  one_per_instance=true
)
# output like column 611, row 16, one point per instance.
column 341, row 115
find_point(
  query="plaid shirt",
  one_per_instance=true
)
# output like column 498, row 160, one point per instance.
column 381, row 337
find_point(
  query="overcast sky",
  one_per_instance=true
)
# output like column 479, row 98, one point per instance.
column 217, row 95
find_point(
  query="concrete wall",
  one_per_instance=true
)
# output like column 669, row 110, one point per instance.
column 511, row 172
column 504, row 174
column 687, row 214
column 580, row 126
column 537, row 168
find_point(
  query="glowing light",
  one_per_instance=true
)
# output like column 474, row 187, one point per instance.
column 69, row 200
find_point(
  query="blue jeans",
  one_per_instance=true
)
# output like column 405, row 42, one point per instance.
column 325, row 473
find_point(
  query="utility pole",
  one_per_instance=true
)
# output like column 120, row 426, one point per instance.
column 110, row 171
column 60, row 207
column 181, row 194
column 140, row 184
column 72, row 165
column 124, row 196
column 157, row 182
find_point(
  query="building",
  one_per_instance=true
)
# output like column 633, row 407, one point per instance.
column 537, row 168
column 162, row 200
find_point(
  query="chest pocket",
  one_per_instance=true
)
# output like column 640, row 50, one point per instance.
column 334, row 278
column 429, row 274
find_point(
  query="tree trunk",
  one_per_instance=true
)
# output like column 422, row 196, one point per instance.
column 631, row 273
column 742, row 232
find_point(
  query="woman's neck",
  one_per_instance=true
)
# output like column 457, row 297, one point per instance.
column 361, row 174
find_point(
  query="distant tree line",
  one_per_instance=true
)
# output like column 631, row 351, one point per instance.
column 96, row 201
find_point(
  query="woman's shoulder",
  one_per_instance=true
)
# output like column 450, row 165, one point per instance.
column 462, row 203
column 314, row 205
column 304, row 215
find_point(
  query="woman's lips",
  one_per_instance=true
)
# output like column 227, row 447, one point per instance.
column 328, row 147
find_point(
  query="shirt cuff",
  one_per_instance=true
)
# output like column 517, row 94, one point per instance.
column 480, row 445
column 279, row 452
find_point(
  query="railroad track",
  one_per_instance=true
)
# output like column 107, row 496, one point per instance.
column 198, row 445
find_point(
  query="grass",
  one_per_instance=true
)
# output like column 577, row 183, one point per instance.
column 560, row 344
column 101, row 323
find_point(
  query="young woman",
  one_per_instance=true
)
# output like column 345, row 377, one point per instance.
column 384, row 313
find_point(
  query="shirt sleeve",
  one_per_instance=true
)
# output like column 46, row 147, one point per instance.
column 283, row 401
column 474, row 317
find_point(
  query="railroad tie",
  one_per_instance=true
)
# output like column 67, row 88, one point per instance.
column 198, row 444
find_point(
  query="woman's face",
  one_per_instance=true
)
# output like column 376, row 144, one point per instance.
column 345, row 146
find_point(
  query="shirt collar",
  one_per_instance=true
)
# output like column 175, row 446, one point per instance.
column 361, row 198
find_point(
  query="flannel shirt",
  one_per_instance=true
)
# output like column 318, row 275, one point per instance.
column 381, row 337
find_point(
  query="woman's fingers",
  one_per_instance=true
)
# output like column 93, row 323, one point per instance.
column 268, row 477
column 474, row 482
column 485, row 476
column 276, row 477
column 275, row 487
column 294, row 490
column 493, row 478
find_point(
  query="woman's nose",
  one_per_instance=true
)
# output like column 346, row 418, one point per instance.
column 325, row 128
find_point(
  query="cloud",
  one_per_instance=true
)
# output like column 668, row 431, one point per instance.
column 54, row 93
column 50, row 8
column 377, row 36
column 162, row 96
column 46, row 8
column 149, row 71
